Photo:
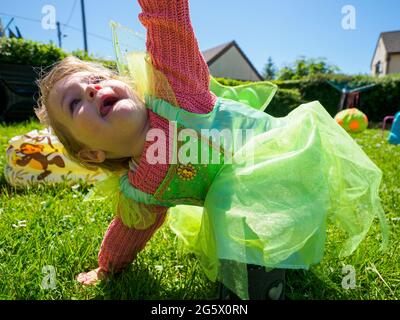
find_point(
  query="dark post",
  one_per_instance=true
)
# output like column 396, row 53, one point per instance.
column 59, row 35
column 84, row 26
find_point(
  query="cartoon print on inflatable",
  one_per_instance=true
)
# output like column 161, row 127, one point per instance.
column 32, row 155
column 39, row 157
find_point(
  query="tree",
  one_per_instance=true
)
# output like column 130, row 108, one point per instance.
column 269, row 71
column 305, row 67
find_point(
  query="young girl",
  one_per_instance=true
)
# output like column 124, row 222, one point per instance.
column 268, row 208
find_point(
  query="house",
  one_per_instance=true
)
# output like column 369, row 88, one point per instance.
column 229, row 61
column 386, row 59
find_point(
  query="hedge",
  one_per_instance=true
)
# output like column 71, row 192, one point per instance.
column 285, row 100
column 28, row 52
column 376, row 102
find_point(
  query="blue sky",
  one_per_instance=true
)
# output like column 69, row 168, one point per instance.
column 282, row 29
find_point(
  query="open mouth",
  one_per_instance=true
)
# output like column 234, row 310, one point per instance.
column 107, row 105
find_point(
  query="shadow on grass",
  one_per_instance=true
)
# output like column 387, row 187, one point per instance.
column 305, row 285
column 6, row 188
column 45, row 188
column 131, row 285
column 137, row 283
column 3, row 181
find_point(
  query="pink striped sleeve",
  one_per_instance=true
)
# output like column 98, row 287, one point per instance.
column 121, row 244
column 173, row 48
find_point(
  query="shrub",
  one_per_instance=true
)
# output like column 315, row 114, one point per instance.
column 376, row 102
column 28, row 52
column 231, row 82
column 285, row 101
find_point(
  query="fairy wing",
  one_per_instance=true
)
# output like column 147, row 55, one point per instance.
column 134, row 63
column 256, row 94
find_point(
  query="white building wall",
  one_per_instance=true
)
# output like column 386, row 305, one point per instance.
column 232, row 65
column 380, row 55
column 394, row 63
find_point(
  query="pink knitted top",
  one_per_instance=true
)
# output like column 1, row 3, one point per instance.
column 174, row 51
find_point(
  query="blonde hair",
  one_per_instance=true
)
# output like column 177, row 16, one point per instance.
column 47, row 80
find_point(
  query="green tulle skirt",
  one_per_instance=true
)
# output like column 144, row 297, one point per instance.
column 296, row 180
column 305, row 175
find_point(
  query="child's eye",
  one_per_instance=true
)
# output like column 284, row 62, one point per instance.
column 95, row 79
column 73, row 104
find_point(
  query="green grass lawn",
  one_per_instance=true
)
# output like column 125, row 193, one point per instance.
column 64, row 232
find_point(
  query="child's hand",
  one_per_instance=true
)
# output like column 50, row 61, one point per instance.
column 92, row 277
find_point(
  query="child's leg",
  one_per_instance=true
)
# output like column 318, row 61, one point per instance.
column 263, row 284
column 119, row 248
column 266, row 284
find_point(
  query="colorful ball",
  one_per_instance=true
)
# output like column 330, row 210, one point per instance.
column 352, row 120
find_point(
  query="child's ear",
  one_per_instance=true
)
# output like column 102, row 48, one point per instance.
column 94, row 156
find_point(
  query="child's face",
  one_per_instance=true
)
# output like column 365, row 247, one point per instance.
column 102, row 114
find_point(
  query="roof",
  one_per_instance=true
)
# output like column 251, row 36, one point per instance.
column 212, row 55
column 391, row 40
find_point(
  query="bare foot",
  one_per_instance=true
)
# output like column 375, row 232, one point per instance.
column 92, row 277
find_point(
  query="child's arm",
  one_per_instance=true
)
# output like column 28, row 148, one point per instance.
column 173, row 48
column 119, row 248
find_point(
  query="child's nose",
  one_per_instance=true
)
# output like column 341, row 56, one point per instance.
column 92, row 90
